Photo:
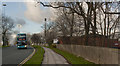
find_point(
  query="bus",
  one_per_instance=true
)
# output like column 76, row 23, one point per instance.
column 21, row 41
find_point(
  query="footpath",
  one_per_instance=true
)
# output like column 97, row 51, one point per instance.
column 52, row 58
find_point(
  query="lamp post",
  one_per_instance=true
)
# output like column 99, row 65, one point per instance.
column 4, row 4
column 4, row 9
column 45, row 30
column 3, row 12
column 3, row 20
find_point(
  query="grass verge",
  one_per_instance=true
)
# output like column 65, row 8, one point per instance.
column 37, row 57
column 73, row 59
column 5, row 46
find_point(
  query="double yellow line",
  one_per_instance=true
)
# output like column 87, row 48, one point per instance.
column 23, row 62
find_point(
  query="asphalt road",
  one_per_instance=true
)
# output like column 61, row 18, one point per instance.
column 12, row 55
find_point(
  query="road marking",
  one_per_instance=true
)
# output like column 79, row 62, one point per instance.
column 23, row 62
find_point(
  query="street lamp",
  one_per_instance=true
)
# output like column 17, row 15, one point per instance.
column 3, row 20
column 4, row 9
column 4, row 4
column 45, row 19
column 45, row 29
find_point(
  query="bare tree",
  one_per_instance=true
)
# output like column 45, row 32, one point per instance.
column 86, row 13
column 108, row 20
column 28, row 39
column 68, row 22
column 6, row 26
column 90, row 13
column 36, row 38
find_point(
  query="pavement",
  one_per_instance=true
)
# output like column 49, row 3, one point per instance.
column 50, row 57
column 12, row 55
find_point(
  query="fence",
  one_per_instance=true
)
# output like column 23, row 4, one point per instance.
column 92, row 41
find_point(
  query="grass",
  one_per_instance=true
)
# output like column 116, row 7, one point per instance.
column 73, row 59
column 5, row 46
column 37, row 57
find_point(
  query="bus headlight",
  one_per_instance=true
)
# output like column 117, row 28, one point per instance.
column 25, row 45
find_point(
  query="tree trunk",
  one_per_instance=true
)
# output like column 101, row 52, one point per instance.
column 94, row 28
column 71, row 29
column 4, row 39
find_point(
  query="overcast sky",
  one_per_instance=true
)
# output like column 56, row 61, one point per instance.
column 30, row 17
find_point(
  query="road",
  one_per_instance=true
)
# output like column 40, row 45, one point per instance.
column 12, row 55
column 50, row 57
